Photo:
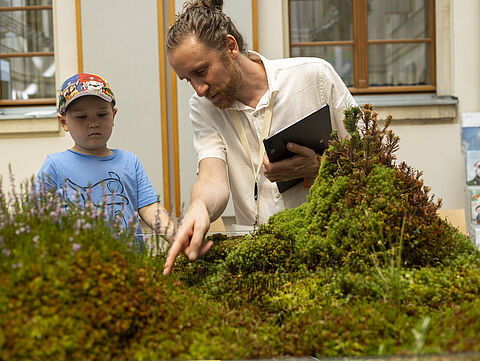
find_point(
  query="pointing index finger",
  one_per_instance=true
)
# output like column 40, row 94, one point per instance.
column 173, row 252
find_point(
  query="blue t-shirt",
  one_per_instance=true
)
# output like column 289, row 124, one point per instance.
column 117, row 181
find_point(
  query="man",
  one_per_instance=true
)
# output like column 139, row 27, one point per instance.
column 240, row 98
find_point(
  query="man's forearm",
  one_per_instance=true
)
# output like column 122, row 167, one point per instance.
column 213, row 195
column 211, row 187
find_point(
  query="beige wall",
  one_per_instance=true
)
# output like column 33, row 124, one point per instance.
column 436, row 148
column 271, row 29
column 120, row 42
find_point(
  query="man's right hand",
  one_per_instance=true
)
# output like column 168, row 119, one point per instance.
column 190, row 236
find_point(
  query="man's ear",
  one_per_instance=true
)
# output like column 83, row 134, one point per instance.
column 63, row 121
column 232, row 46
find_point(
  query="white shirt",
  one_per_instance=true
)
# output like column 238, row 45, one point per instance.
column 302, row 85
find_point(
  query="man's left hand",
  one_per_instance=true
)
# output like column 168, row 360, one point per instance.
column 304, row 163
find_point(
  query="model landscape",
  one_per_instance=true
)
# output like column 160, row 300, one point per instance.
column 364, row 268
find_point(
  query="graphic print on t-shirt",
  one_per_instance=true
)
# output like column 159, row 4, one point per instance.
column 108, row 192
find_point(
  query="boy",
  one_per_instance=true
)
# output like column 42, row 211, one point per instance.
column 112, row 177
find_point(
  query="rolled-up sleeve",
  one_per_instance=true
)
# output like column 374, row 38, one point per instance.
column 207, row 140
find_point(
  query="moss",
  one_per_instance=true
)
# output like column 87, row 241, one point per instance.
column 365, row 267
column 363, row 203
column 360, row 265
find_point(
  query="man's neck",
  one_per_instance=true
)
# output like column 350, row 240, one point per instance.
column 255, row 83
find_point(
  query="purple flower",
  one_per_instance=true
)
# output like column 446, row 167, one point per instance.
column 35, row 239
column 54, row 216
column 79, row 224
column 76, row 247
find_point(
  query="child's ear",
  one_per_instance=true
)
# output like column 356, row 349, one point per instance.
column 63, row 121
column 115, row 110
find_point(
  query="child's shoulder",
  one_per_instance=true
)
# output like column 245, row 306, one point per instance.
column 124, row 153
column 126, row 157
column 59, row 155
column 56, row 161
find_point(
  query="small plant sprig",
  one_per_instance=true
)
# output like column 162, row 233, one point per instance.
column 367, row 144
column 157, row 243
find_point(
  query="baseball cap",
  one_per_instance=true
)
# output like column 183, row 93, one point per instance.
column 83, row 84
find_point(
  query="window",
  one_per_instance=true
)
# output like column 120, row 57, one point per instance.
column 376, row 46
column 27, row 66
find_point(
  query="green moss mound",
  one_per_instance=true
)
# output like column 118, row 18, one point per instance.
column 364, row 268
column 364, row 208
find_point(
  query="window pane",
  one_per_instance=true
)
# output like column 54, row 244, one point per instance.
column 10, row 3
column 398, row 64
column 394, row 19
column 27, row 78
column 26, row 31
column 320, row 20
column 341, row 58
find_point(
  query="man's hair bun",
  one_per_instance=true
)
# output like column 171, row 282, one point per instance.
column 214, row 4
column 205, row 20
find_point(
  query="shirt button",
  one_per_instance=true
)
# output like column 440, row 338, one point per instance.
column 277, row 196
column 255, row 115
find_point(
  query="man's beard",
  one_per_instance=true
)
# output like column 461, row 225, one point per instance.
column 229, row 92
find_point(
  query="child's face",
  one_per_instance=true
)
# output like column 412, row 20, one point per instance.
column 89, row 119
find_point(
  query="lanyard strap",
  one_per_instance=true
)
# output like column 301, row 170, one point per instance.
column 267, row 121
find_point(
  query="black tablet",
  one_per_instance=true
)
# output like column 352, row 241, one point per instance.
column 312, row 131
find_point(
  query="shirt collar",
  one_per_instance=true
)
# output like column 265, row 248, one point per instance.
column 108, row 157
